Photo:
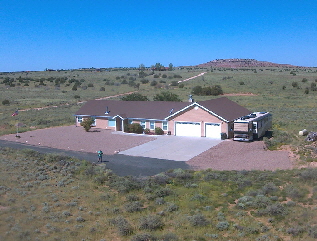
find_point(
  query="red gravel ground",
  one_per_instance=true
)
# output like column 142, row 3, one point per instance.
column 233, row 155
column 228, row 155
column 76, row 139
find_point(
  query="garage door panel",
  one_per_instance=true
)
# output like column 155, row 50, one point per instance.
column 188, row 129
column 213, row 130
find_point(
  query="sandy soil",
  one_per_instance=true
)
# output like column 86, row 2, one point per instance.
column 228, row 155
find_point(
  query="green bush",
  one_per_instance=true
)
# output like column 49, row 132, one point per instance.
column 159, row 131
column 135, row 128
column 87, row 122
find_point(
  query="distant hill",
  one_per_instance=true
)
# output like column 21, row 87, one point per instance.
column 242, row 63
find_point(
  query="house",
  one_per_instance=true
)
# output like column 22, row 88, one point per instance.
column 207, row 118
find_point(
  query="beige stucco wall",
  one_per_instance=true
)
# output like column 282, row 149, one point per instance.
column 197, row 115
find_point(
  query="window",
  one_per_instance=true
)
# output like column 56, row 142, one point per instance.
column 152, row 125
column 164, row 124
column 142, row 123
column 111, row 122
column 79, row 119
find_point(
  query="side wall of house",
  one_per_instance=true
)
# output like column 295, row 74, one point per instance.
column 197, row 115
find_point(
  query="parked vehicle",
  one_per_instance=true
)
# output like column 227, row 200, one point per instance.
column 252, row 126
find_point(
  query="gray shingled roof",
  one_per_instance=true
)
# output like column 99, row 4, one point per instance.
column 159, row 110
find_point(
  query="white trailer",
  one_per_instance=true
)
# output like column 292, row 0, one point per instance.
column 252, row 126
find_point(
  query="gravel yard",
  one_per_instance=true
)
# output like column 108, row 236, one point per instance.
column 228, row 155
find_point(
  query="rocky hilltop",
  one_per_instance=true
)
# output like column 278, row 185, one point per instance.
column 242, row 63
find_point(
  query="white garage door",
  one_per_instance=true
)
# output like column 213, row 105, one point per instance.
column 188, row 129
column 213, row 130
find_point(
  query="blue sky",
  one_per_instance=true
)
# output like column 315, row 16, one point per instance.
column 69, row 34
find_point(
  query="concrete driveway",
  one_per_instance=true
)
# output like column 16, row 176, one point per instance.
column 175, row 148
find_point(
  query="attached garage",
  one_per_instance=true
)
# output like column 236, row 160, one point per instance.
column 188, row 129
column 213, row 130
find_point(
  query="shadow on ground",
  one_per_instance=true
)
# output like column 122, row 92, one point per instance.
column 121, row 165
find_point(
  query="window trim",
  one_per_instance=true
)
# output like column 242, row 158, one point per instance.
column 164, row 125
column 152, row 125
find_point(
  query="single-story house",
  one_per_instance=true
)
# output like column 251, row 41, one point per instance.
column 207, row 118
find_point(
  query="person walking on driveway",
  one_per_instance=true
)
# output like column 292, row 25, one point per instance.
column 100, row 153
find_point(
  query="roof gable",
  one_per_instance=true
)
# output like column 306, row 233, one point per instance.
column 225, row 108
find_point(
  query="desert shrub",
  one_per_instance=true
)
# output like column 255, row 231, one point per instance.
column 241, row 83
column 223, row 225
column 163, row 192
column 150, row 223
column 135, row 128
column 269, row 188
column 278, row 139
column 171, row 207
column 159, row 201
column 295, row 84
column 294, row 192
column 135, row 97
column 168, row 237
column 80, row 219
column 125, row 184
column 90, row 85
column 198, row 220
column 295, row 231
column 181, row 86
column 144, row 81
column 174, row 83
column 5, row 102
column 160, row 179
column 159, row 131
column 132, row 198
column 312, row 231
column 309, row 174
column 261, row 201
column 132, row 207
column 123, row 226
column 153, row 83
column 177, row 76
column 143, row 237
column 102, row 89
column 198, row 197
column 276, row 210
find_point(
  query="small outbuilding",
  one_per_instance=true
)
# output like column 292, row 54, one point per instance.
column 208, row 118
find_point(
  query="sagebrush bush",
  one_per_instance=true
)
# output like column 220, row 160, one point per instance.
column 143, row 237
column 132, row 207
column 123, row 226
column 151, row 223
column 198, row 220
column 223, row 225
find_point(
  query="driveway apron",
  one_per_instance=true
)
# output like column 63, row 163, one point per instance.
column 174, row 148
